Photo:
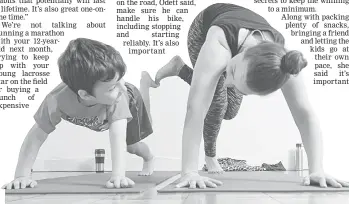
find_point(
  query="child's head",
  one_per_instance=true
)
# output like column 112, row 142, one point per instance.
column 92, row 70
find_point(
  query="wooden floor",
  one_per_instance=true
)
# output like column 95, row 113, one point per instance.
column 151, row 197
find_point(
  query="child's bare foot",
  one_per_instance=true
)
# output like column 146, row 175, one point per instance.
column 148, row 167
column 213, row 165
column 147, row 81
column 172, row 68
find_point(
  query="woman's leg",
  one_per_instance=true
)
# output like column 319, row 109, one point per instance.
column 234, row 103
column 172, row 68
column 212, row 125
column 176, row 66
column 234, row 99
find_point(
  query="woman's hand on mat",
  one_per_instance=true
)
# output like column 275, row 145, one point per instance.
column 193, row 180
column 120, row 182
column 20, row 183
column 322, row 179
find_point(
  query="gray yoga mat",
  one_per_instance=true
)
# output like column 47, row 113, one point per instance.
column 255, row 181
column 94, row 183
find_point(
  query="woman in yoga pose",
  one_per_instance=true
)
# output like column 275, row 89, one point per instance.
column 236, row 52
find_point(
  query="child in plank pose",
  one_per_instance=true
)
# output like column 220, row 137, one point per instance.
column 94, row 95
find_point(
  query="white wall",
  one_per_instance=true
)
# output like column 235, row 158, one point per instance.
column 263, row 131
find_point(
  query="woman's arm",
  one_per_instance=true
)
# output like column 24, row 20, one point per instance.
column 296, row 97
column 211, row 62
column 308, row 125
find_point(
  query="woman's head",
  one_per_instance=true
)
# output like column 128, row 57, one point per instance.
column 264, row 68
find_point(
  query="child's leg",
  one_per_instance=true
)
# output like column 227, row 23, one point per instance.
column 145, row 83
column 142, row 150
column 143, row 120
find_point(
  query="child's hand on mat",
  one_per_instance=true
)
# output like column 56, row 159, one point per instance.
column 192, row 180
column 20, row 183
column 120, row 182
column 322, row 179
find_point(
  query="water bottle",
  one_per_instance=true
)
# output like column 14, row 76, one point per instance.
column 99, row 158
column 299, row 157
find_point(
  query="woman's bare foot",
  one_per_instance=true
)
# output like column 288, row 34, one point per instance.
column 213, row 165
column 172, row 68
column 147, row 81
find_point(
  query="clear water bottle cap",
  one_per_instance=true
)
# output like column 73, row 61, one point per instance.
column 299, row 145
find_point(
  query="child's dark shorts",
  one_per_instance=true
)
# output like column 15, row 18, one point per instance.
column 140, row 126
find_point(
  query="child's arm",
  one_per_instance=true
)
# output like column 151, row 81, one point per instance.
column 27, row 156
column 117, row 135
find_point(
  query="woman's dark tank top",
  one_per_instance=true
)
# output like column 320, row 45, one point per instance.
column 231, row 18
